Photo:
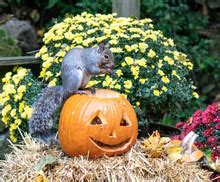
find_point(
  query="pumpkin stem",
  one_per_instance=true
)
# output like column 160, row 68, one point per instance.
column 186, row 139
column 191, row 141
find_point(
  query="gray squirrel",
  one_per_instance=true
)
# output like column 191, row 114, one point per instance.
column 77, row 68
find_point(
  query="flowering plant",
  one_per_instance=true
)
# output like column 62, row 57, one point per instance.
column 207, row 125
column 19, row 93
column 150, row 71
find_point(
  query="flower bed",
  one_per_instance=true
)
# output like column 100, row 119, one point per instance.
column 207, row 125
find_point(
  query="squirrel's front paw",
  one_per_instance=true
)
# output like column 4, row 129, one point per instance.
column 92, row 89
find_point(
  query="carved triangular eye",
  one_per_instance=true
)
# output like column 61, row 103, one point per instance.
column 96, row 121
column 124, row 123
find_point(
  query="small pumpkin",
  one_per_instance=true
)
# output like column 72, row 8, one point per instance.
column 97, row 124
column 184, row 150
column 154, row 145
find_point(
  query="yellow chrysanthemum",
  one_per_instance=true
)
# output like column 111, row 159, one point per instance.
column 142, row 80
column 169, row 60
column 195, row 94
column 164, row 88
column 127, row 84
column 156, row 93
column 161, row 73
column 137, row 103
column 129, row 60
column 119, row 73
column 151, row 53
column 165, row 79
column 142, row 47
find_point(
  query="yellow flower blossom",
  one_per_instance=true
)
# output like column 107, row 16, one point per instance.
column 13, row 112
column 161, row 73
column 160, row 63
column 165, row 79
column 43, row 50
column 100, row 39
column 116, row 50
column 45, row 57
column 113, row 42
column 21, row 107
column 151, row 53
column 137, row 103
column 135, row 71
column 175, row 74
column 127, row 91
column 7, row 77
column 117, row 86
column 119, row 73
column 18, row 121
column 42, row 73
column 156, row 93
column 195, row 94
column 61, row 54
column 164, row 88
column 142, row 80
column 169, row 60
column 21, row 89
column 92, row 83
column 52, row 83
column 13, row 126
column 5, row 119
column 123, row 64
column 128, row 48
column 6, row 109
column 141, row 62
column 13, row 138
column 127, row 84
column 129, row 60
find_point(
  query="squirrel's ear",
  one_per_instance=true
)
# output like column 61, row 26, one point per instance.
column 101, row 47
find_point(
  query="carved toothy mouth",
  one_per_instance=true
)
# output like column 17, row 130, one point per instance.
column 108, row 146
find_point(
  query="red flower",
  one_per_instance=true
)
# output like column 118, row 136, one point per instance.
column 217, row 126
column 180, row 124
column 212, row 139
column 207, row 132
column 215, row 155
column 207, row 125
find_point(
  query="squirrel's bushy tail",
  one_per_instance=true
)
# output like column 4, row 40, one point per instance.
column 42, row 119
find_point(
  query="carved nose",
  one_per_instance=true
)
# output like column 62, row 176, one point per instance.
column 112, row 134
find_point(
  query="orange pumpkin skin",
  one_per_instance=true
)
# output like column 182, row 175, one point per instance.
column 98, row 124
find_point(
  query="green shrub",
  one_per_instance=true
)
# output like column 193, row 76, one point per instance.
column 179, row 20
column 8, row 45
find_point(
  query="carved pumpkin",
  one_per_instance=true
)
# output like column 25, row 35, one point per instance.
column 97, row 124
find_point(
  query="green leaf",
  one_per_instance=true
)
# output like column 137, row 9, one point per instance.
column 49, row 159
column 51, row 3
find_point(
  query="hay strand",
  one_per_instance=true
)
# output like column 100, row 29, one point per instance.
column 133, row 166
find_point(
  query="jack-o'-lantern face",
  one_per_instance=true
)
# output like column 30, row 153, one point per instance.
column 97, row 125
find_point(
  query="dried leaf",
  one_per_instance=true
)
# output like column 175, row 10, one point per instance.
column 41, row 178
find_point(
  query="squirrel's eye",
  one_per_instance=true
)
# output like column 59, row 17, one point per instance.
column 106, row 56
